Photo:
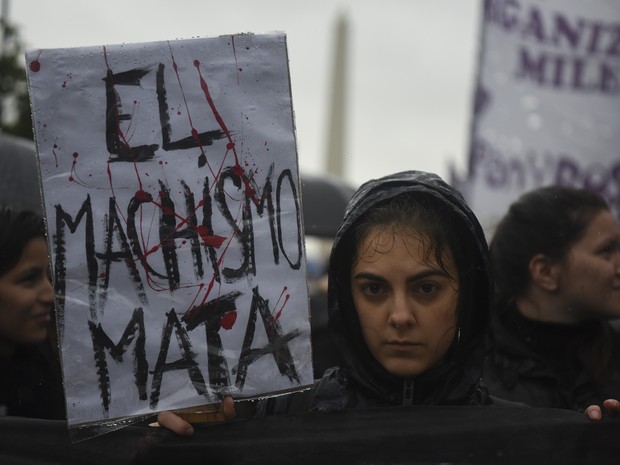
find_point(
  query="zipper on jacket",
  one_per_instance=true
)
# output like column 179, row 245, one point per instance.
column 408, row 392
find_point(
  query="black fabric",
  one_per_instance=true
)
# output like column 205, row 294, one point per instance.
column 362, row 379
column 542, row 364
column 398, row 435
column 26, row 441
column 19, row 179
column 30, row 384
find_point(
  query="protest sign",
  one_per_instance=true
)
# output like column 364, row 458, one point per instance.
column 547, row 106
column 171, row 192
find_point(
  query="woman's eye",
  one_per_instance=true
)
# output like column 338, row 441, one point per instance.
column 32, row 277
column 427, row 288
column 29, row 279
column 609, row 250
column 371, row 289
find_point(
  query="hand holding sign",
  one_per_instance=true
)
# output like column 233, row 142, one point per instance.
column 180, row 422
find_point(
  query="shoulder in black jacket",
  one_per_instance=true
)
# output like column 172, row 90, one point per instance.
column 549, row 365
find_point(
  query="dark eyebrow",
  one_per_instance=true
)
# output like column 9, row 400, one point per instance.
column 611, row 241
column 29, row 271
column 417, row 277
column 369, row 277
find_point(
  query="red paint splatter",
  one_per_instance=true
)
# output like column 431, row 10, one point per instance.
column 143, row 196
column 219, row 263
column 202, row 158
column 208, row 238
column 35, row 65
column 153, row 250
column 74, row 177
column 250, row 192
column 167, row 211
column 283, row 304
column 64, row 83
column 228, row 320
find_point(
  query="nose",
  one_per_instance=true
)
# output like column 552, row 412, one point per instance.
column 401, row 313
column 46, row 294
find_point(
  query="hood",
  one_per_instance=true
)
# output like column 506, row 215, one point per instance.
column 461, row 368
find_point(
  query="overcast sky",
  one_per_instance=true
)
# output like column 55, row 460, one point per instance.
column 412, row 65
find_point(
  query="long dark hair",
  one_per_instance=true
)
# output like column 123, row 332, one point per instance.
column 17, row 228
column 545, row 221
column 549, row 221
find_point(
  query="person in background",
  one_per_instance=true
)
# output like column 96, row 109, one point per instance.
column 409, row 297
column 30, row 385
column 556, row 258
column 30, row 379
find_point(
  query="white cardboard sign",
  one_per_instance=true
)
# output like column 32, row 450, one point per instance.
column 172, row 197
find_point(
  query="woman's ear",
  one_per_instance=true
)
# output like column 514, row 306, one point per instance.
column 544, row 272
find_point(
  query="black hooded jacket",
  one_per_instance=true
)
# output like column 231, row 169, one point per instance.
column 549, row 364
column 360, row 381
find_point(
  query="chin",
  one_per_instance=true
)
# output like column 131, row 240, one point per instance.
column 403, row 370
column 37, row 337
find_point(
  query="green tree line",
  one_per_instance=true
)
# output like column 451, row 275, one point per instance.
column 15, row 114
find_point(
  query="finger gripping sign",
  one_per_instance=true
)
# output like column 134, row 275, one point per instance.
column 172, row 199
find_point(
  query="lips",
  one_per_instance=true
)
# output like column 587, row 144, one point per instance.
column 46, row 316
column 402, row 344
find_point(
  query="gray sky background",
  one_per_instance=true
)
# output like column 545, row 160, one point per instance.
column 412, row 65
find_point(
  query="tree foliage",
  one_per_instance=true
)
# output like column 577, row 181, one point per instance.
column 15, row 113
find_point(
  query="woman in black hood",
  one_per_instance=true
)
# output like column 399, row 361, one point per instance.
column 389, row 359
column 409, row 296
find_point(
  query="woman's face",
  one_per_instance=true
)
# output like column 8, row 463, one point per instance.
column 405, row 301
column 26, row 298
column 589, row 279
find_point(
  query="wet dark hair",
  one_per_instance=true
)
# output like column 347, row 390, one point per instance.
column 545, row 221
column 17, row 228
column 431, row 219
